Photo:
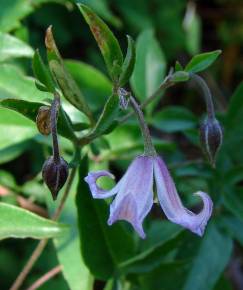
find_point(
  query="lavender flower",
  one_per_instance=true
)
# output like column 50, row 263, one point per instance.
column 134, row 196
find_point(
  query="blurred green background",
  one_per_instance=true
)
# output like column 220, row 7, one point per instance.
column 176, row 30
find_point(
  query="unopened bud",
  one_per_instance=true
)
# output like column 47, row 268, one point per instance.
column 43, row 120
column 55, row 174
column 211, row 136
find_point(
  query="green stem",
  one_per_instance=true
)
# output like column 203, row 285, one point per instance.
column 165, row 85
column 54, row 111
column 148, row 144
column 206, row 94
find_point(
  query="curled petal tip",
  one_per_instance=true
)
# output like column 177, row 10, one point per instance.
column 96, row 191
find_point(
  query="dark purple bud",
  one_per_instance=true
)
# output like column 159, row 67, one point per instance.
column 55, row 174
column 211, row 136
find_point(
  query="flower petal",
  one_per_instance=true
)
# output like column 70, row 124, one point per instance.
column 135, row 197
column 172, row 205
column 96, row 191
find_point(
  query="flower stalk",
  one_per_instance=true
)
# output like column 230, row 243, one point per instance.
column 206, row 94
column 149, row 149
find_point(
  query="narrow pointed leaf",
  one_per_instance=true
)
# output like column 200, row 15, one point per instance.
column 42, row 73
column 16, row 222
column 106, row 41
column 64, row 79
column 103, row 247
column 107, row 119
column 202, row 61
column 178, row 66
column 129, row 62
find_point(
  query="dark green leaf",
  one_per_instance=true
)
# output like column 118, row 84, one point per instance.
column 161, row 239
column 170, row 276
column 233, row 201
column 213, row 255
column 42, row 73
column 95, row 85
column 16, row 222
column 129, row 62
column 106, row 41
column 107, row 118
column 174, row 119
column 103, row 247
column 178, row 66
column 202, row 61
column 233, row 227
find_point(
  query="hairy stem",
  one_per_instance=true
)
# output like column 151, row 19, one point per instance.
column 54, row 111
column 166, row 84
column 206, row 94
column 148, row 145
column 41, row 245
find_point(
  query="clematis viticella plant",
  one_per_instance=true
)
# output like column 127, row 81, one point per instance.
column 134, row 192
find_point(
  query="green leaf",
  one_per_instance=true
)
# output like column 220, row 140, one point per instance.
column 13, row 84
column 174, row 119
column 180, row 76
column 233, row 227
column 193, row 29
column 16, row 222
column 13, row 151
column 233, row 201
column 12, row 12
column 95, row 85
column 67, row 246
column 42, row 73
column 213, row 255
column 11, row 47
column 233, row 134
column 202, row 61
column 101, row 8
column 106, row 41
column 154, row 249
column 30, row 110
column 169, row 274
column 129, row 62
column 178, row 66
column 107, row 118
column 103, row 247
column 150, row 65
column 14, row 128
column 64, row 79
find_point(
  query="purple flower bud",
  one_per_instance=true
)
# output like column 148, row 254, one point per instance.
column 211, row 136
column 55, row 173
